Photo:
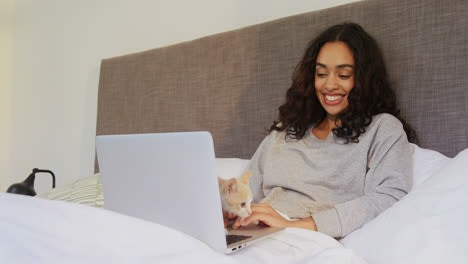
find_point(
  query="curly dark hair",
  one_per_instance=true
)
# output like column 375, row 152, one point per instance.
column 371, row 94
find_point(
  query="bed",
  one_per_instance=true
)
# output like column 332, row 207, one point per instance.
column 231, row 85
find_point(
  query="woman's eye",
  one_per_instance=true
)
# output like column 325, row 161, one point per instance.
column 242, row 204
column 345, row 76
column 321, row 75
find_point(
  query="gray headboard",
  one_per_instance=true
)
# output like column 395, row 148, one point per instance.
column 232, row 83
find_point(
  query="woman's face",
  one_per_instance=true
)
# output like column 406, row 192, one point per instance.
column 334, row 77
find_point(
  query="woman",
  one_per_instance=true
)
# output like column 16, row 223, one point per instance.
column 339, row 153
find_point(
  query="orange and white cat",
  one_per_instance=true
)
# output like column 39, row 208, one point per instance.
column 236, row 196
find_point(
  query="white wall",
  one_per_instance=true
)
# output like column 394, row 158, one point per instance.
column 5, row 88
column 56, row 53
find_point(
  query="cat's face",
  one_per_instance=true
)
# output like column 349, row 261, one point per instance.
column 236, row 195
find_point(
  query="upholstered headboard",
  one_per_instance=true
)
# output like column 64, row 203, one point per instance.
column 232, row 83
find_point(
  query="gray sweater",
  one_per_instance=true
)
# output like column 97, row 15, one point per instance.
column 342, row 186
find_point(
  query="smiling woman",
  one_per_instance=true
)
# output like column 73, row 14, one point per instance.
column 344, row 62
column 334, row 79
column 330, row 159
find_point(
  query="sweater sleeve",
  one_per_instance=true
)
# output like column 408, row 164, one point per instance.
column 256, row 166
column 387, row 180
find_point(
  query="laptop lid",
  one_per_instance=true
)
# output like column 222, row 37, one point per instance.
column 167, row 178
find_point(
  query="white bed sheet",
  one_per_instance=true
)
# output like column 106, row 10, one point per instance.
column 427, row 226
column 36, row 230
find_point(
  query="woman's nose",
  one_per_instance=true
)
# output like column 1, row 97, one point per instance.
column 331, row 83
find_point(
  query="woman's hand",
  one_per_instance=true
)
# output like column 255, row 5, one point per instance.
column 265, row 214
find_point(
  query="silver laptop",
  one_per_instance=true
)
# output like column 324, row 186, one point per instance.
column 170, row 179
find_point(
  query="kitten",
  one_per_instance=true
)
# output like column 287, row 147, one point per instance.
column 236, row 196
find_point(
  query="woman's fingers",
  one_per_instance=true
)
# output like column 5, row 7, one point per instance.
column 247, row 220
column 264, row 214
column 267, row 219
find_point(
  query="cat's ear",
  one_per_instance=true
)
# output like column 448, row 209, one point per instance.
column 246, row 177
column 231, row 186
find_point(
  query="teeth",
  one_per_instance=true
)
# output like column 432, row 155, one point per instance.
column 333, row 98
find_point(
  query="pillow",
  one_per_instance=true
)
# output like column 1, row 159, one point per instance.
column 86, row 191
column 426, row 162
column 230, row 168
column 427, row 226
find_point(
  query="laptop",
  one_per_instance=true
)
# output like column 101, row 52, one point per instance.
column 170, row 179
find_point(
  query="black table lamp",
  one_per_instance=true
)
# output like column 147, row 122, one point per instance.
column 27, row 186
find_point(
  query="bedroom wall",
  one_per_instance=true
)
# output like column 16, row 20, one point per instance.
column 56, row 52
column 5, row 88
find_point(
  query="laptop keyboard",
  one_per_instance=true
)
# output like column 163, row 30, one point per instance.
column 231, row 239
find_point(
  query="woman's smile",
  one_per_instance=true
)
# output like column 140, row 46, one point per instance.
column 334, row 77
column 333, row 99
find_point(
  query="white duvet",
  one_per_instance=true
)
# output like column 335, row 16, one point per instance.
column 426, row 226
column 35, row 230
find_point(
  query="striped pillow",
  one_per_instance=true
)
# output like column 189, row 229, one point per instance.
column 84, row 191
